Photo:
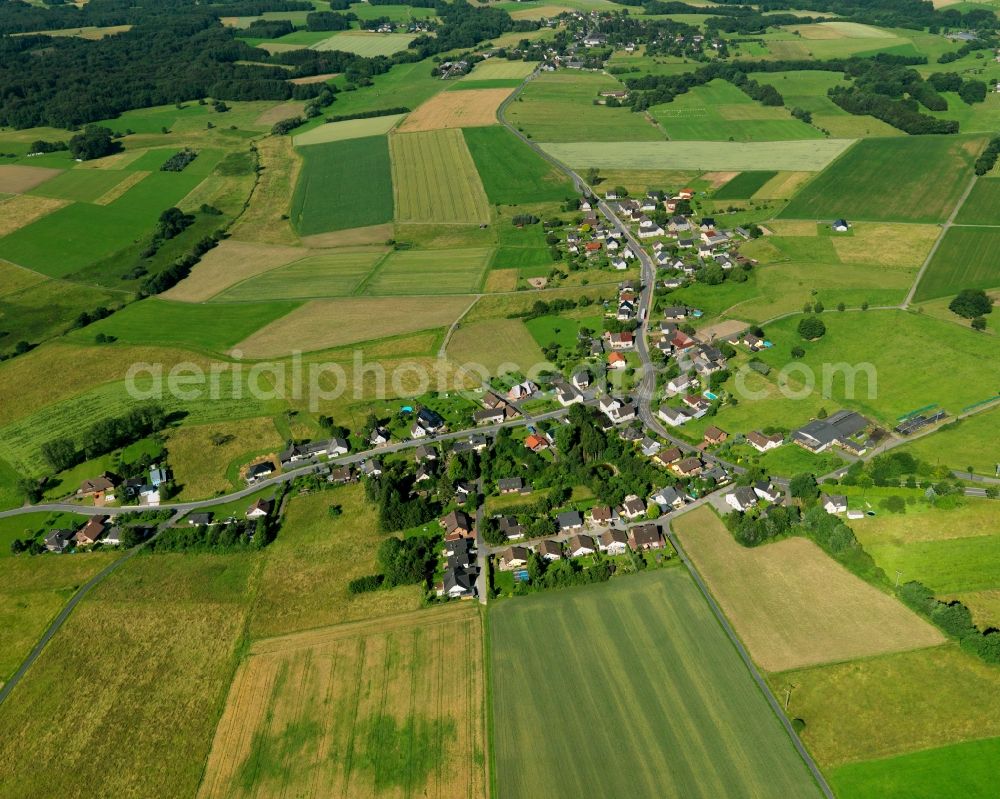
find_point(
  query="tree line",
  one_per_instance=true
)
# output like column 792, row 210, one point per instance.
column 104, row 436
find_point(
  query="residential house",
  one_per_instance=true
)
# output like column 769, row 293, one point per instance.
column 678, row 384
column 649, row 447
column 676, row 312
column 458, row 583
column 668, row 499
column 688, row 467
column 457, row 524
column 113, row 537
column 645, row 536
column 753, row 343
column 58, row 540
column 697, row 406
column 101, row 488
column 621, row 341
column 379, row 437
column 566, row 394
column 510, row 485
column 819, row 434
column 742, row 498
column 488, row 416
column 603, row 515
column 341, row 475
column 522, row 391
column 763, row 443
column 91, row 532
column 337, row 447
column 840, row 226
column 157, row 476
column 581, row 379
column 149, row 495
column 579, row 545
column 679, row 224
column 672, row 416
column 513, row 558
column 536, row 443
column 202, row 519
column 460, row 548
column 430, row 420
column 766, row 490
column 617, row 361
column 833, row 503
column 425, row 453
column 258, row 471
column 669, row 456
column 260, row 509
column 715, row 435
column 632, row 508
column 613, row 542
column 510, row 527
column 549, row 550
column 371, row 467
column 569, row 521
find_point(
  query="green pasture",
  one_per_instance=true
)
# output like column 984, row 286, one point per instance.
column 559, row 106
column 333, row 274
column 212, row 327
column 592, row 670
column 982, row 206
column 961, row 444
column 366, row 44
column 919, row 361
column 959, row 771
column 918, row 179
column 343, row 185
column 967, row 259
column 512, row 172
column 429, row 272
column 81, row 185
column 405, row 85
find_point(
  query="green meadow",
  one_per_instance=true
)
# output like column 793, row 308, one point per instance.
column 592, row 670
column 344, row 184
column 966, row 259
column 918, row 179
column 744, row 185
column 511, row 171
column 982, row 206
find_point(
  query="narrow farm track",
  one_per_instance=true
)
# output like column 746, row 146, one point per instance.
column 944, row 230
column 75, row 600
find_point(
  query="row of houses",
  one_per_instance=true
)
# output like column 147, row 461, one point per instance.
column 613, row 541
column 109, row 487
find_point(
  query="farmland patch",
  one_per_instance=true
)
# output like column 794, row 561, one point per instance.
column 456, row 110
column 230, row 263
column 511, row 171
column 348, row 129
column 966, row 259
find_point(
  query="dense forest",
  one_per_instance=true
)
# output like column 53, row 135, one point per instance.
column 177, row 51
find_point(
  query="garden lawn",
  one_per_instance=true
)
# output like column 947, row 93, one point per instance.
column 343, row 185
column 966, row 259
column 919, row 179
column 512, row 172
column 687, row 720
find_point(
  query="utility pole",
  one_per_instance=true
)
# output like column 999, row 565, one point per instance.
column 788, row 695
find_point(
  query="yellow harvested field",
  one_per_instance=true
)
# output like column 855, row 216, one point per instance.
column 230, row 263
column 435, row 179
column 279, row 112
column 887, row 244
column 200, row 464
column 324, row 324
column 792, row 227
column 22, row 209
column 841, row 30
column 112, row 194
column 313, row 79
column 352, row 237
column 793, row 605
column 717, row 179
column 394, row 709
column 304, row 582
column 271, row 200
column 501, row 280
column 782, row 186
column 125, row 699
column 465, row 109
column 348, row 129
column 495, row 344
column 19, row 179
column 539, row 12
column 720, row 330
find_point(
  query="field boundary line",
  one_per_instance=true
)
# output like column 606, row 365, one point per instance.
column 761, row 683
column 376, row 268
column 949, row 222
column 442, row 350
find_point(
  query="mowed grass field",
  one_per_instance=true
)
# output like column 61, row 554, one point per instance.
column 920, row 361
column 124, row 700
column 435, row 179
column 389, row 708
column 793, row 605
column 366, row 44
column 744, row 185
column 810, row 155
column 558, row 106
column 358, row 319
column 230, row 263
column 344, row 184
column 304, row 582
column 348, row 129
column 894, row 704
column 969, row 442
column 430, row 272
column 640, row 668
column 512, row 172
column 331, row 274
column 718, row 111
column 982, row 206
column 463, row 109
column 966, row 259
column 959, row 771
column 919, row 179
column 493, row 342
